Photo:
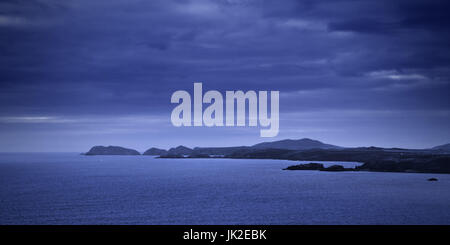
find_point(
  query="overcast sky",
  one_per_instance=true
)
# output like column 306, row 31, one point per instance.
column 74, row 74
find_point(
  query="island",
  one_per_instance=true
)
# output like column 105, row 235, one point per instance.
column 110, row 150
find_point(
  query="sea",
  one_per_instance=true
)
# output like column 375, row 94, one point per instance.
column 73, row 189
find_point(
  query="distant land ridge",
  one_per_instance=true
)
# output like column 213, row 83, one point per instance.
column 301, row 144
column 432, row 160
column 304, row 144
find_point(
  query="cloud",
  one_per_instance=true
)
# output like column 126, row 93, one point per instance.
column 304, row 25
column 364, row 26
column 395, row 75
column 12, row 21
column 32, row 119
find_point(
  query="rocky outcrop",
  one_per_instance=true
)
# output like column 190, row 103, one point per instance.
column 155, row 152
column 308, row 166
column 111, row 150
column 319, row 166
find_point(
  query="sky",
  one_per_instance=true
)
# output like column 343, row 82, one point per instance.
column 74, row 74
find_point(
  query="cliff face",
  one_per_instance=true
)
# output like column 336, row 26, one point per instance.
column 111, row 150
column 155, row 152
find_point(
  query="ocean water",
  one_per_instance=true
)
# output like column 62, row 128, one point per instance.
column 67, row 188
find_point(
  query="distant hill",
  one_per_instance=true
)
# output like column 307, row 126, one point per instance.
column 301, row 144
column 445, row 147
column 155, row 152
column 180, row 150
column 111, row 150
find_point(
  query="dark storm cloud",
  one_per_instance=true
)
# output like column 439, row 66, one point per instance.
column 122, row 47
column 118, row 57
column 405, row 16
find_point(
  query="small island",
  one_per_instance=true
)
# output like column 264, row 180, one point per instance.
column 111, row 150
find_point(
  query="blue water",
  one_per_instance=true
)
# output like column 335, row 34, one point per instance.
column 73, row 189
